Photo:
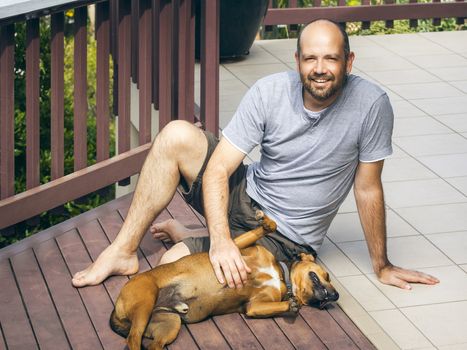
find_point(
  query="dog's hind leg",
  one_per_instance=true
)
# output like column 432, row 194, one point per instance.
column 163, row 328
column 140, row 315
column 248, row 238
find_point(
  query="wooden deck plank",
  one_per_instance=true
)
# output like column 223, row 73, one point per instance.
column 327, row 329
column 312, row 329
column 16, row 328
column 96, row 241
column 95, row 298
column 207, row 335
column 184, row 341
column 350, row 328
column 2, row 339
column 268, row 333
column 182, row 212
column 299, row 333
column 71, row 310
column 41, row 310
column 236, row 332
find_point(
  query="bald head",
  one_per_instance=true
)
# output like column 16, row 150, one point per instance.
column 326, row 30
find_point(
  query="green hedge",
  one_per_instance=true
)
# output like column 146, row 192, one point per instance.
column 377, row 27
column 72, row 208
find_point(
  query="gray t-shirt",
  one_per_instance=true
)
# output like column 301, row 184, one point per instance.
column 308, row 164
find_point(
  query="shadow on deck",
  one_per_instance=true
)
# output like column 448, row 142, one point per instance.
column 41, row 309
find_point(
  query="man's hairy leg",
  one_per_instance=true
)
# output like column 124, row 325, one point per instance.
column 178, row 150
column 172, row 230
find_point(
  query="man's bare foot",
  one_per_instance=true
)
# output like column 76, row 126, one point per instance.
column 110, row 262
column 169, row 230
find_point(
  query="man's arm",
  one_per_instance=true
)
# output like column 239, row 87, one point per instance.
column 224, row 254
column 369, row 196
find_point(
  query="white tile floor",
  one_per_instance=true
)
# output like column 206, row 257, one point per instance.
column 425, row 184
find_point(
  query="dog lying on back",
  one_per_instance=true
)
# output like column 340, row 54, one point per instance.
column 155, row 303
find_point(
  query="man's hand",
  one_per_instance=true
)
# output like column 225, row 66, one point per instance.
column 228, row 262
column 400, row 277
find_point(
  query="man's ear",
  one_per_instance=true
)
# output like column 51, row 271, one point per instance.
column 297, row 61
column 350, row 60
column 307, row 257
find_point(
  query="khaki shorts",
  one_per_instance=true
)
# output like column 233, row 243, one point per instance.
column 241, row 213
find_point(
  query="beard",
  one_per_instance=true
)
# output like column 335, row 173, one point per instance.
column 323, row 93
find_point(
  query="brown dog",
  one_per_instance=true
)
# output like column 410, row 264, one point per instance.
column 187, row 290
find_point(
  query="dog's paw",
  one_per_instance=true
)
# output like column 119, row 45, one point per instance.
column 259, row 215
column 294, row 305
column 181, row 308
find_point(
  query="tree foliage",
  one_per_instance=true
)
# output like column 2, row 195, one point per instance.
column 72, row 208
column 376, row 27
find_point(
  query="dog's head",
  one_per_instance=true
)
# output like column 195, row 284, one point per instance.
column 310, row 282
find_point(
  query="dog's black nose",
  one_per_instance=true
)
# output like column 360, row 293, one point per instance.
column 333, row 296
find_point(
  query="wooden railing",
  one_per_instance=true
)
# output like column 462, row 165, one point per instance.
column 149, row 41
column 365, row 13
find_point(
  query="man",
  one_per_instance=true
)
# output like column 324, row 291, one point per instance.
column 321, row 131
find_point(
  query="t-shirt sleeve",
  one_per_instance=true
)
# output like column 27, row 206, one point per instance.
column 246, row 128
column 375, row 138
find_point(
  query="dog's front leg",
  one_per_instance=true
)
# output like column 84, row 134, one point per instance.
column 248, row 238
column 271, row 308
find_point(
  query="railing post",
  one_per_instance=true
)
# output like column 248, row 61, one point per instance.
column 7, row 109
column 186, row 61
column 102, row 84
column 124, row 72
column 56, row 96
column 135, row 39
column 114, row 19
column 436, row 21
column 145, row 72
column 366, row 24
column 413, row 23
column 210, row 10
column 460, row 20
column 80, row 88
column 155, row 52
column 165, row 63
column 293, row 4
column 389, row 23
column 32, row 104
column 341, row 3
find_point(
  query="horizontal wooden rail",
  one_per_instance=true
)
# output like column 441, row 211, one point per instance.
column 366, row 13
column 72, row 186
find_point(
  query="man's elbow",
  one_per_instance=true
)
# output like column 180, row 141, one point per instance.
column 215, row 172
column 368, row 191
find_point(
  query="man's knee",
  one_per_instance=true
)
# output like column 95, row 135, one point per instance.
column 178, row 251
column 177, row 133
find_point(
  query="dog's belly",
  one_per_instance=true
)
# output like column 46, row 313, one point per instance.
column 202, row 302
column 198, row 288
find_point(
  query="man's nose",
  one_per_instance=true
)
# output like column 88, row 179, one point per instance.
column 319, row 67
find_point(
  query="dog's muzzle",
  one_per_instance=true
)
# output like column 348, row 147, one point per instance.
column 321, row 295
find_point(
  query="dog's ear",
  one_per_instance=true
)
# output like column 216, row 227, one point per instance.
column 307, row 257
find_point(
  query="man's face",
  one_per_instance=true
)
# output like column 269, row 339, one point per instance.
column 322, row 65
